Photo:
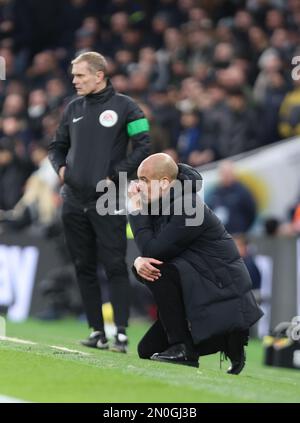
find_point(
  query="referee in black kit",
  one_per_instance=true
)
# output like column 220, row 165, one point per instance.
column 90, row 145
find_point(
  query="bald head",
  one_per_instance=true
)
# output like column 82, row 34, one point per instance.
column 158, row 166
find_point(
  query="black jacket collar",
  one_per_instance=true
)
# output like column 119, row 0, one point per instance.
column 103, row 95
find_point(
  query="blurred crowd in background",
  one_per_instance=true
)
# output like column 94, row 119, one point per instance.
column 212, row 76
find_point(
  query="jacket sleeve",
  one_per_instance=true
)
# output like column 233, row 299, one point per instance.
column 173, row 239
column 137, row 128
column 59, row 147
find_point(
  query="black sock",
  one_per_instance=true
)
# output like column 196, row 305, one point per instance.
column 101, row 331
column 121, row 329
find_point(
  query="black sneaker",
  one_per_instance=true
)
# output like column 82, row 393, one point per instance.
column 177, row 354
column 96, row 340
column 235, row 351
column 120, row 343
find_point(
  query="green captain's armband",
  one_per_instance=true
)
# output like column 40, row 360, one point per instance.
column 137, row 126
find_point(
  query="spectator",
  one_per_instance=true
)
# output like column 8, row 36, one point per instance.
column 269, row 63
column 132, row 39
column 14, row 105
column 160, row 23
column 7, row 54
column 38, row 204
column 241, row 25
column 272, row 226
column 189, row 137
column 200, row 47
column 56, row 93
column 212, row 119
column 124, row 60
column 238, row 130
column 173, row 45
column 12, row 175
column 274, row 95
column 258, row 43
column 49, row 125
column 242, row 244
column 139, row 85
column 223, row 55
column 44, row 67
column 274, row 20
column 289, row 113
column 37, row 109
column 121, row 83
column 85, row 40
column 19, row 135
column 232, row 201
column 165, row 113
column 16, row 86
column 154, row 67
column 159, row 135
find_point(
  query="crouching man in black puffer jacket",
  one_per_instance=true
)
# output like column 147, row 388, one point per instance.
column 192, row 267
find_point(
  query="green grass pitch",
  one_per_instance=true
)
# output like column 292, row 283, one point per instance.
column 39, row 373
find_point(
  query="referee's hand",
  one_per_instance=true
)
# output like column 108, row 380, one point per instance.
column 145, row 269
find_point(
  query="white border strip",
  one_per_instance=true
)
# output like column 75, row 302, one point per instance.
column 5, row 399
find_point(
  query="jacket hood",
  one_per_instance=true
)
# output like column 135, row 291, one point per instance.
column 188, row 173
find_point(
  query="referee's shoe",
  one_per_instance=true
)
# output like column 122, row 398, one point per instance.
column 96, row 339
column 120, row 343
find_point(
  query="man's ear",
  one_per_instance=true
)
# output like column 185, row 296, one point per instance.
column 100, row 75
column 164, row 183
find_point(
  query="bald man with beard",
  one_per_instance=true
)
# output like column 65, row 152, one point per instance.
column 192, row 267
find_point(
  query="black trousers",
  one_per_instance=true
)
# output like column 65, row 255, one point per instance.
column 91, row 238
column 171, row 327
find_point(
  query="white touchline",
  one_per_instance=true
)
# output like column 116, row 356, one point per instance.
column 6, row 399
column 68, row 350
column 25, row 342
column 17, row 340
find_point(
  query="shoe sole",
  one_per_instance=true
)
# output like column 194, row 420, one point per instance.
column 102, row 346
column 182, row 363
column 87, row 345
column 105, row 347
column 119, row 350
